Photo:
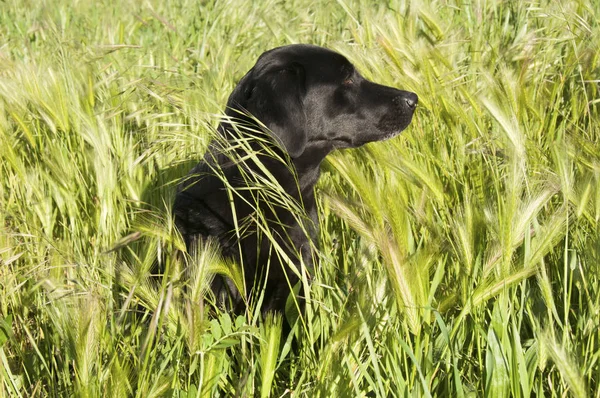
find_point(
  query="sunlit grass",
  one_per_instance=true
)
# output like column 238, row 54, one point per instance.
column 459, row 259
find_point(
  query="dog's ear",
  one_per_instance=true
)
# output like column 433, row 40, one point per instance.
column 274, row 95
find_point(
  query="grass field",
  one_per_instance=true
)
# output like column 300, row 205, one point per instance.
column 460, row 259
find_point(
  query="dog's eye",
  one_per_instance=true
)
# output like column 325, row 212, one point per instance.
column 348, row 82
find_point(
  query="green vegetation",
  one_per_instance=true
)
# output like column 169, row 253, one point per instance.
column 459, row 259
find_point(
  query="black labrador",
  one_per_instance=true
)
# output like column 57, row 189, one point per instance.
column 309, row 101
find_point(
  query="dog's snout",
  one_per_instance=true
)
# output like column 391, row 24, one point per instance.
column 406, row 101
column 411, row 100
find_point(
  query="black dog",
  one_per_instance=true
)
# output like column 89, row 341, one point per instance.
column 310, row 101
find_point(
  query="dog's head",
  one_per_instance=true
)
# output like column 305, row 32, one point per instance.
column 309, row 97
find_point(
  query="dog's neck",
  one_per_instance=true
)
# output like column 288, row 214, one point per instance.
column 309, row 163
column 313, row 155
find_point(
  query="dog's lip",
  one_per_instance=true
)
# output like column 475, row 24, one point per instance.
column 338, row 143
column 391, row 135
column 351, row 142
column 383, row 137
column 344, row 142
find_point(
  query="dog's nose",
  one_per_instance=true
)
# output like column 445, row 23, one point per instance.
column 411, row 100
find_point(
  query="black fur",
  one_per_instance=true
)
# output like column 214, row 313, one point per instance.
column 312, row 101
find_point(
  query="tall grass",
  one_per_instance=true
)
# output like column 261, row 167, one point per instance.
column 459, row 259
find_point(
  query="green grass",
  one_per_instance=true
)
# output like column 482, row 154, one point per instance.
column 459, row 259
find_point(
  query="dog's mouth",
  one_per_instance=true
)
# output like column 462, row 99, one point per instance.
column 391, row 135
column 389, row 126
column 387, row 134
column 348, row 142
column 343, row 143
column 392, row 125
column 335, row 143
